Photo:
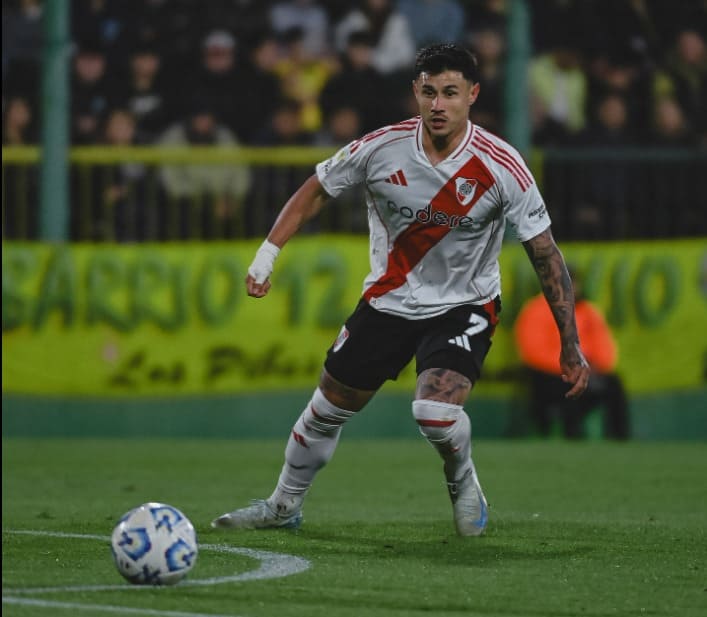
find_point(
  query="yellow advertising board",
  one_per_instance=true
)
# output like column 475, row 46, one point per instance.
column 126, row 320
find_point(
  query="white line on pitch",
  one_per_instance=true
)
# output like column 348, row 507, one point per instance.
column 272, row 565
column 106, row 608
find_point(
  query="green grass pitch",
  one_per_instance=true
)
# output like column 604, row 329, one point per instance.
column 576, row 529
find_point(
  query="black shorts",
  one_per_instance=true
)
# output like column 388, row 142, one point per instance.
column 373, row 347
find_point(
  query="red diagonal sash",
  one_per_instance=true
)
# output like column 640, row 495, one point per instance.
column 414, row 243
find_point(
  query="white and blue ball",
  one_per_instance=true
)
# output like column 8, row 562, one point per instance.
column 154, row 544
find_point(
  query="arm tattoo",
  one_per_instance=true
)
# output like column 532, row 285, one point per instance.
column 555, row 282
column 443, row 385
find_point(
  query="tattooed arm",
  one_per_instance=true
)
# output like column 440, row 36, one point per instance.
column 557, row 287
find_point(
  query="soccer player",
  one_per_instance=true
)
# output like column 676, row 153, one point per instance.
column 439, row 192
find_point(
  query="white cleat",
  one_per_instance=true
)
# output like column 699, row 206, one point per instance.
column 469, row 503
column 258, row 515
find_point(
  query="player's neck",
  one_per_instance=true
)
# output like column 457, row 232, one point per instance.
column 439, row 148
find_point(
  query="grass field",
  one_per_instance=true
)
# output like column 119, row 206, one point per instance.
column 582, row 529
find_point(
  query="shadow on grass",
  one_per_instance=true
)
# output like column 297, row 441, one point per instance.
column 430, row 542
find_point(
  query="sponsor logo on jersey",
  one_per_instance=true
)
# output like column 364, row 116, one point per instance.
column 432, row 216
column 465, row 190
column 540, row 212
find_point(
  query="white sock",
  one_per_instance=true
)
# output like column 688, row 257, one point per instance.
column 310, row 446
column 448, row 429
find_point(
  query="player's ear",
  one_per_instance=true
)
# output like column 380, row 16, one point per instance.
column 473, row 93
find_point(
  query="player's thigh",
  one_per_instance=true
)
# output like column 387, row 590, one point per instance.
column 458, row 341
column 371, row 348
column 443, row 384
column 343, row 396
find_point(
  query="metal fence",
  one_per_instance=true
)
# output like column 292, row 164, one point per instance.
column 158, row 194
column 625, row 193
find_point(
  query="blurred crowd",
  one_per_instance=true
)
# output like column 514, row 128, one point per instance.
column 602, row 72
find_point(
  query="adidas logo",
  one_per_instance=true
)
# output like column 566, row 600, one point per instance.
column 477, row 324
column 461, row 341
column 397, row 178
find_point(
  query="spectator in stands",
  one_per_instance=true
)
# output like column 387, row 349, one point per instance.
column 342, row 125
column 285, row 127
column 22, row 45
column 302, row 77
column 483, row 14
column 147, row 95
column 120, row 129
column 217, row 79
column 539, row 348
column 434, row 21
column 262, row 82
column 105, row 23
column 489, row 44
column 18, row 122
column 610, row 124
column 22, row 36
column 622, row 72
column 627, row 28
column 240, row 17
column 683, row 76
column 174, row 29
column 393, row 43
column 121, row 204
column 359, row 85
column 207, row 198
column 558, row 88
column 606, row 204
column 271, row 183
column 19, row 182
column 92, row 92
column 669, row 127
column 308, row 16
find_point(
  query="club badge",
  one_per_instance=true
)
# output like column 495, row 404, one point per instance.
column 465, row 190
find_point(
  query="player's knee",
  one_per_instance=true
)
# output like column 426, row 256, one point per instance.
column 437, row 420
column 323, row 416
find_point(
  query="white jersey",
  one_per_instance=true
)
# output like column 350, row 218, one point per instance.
column 436, row 230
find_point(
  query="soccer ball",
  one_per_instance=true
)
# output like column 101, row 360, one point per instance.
column 154, row 544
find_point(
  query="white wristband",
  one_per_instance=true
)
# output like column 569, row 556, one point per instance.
column 262, row 265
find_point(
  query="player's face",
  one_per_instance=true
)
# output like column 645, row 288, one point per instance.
column 444, row 102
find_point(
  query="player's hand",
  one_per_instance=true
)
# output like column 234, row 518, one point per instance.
column 256, row 290
column 575, row 370
column 257, row 282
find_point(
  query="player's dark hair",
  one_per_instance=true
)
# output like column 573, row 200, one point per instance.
column 436, row 59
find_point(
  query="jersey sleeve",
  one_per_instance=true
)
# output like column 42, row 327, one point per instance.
column 524, row 206
column 343, row 170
